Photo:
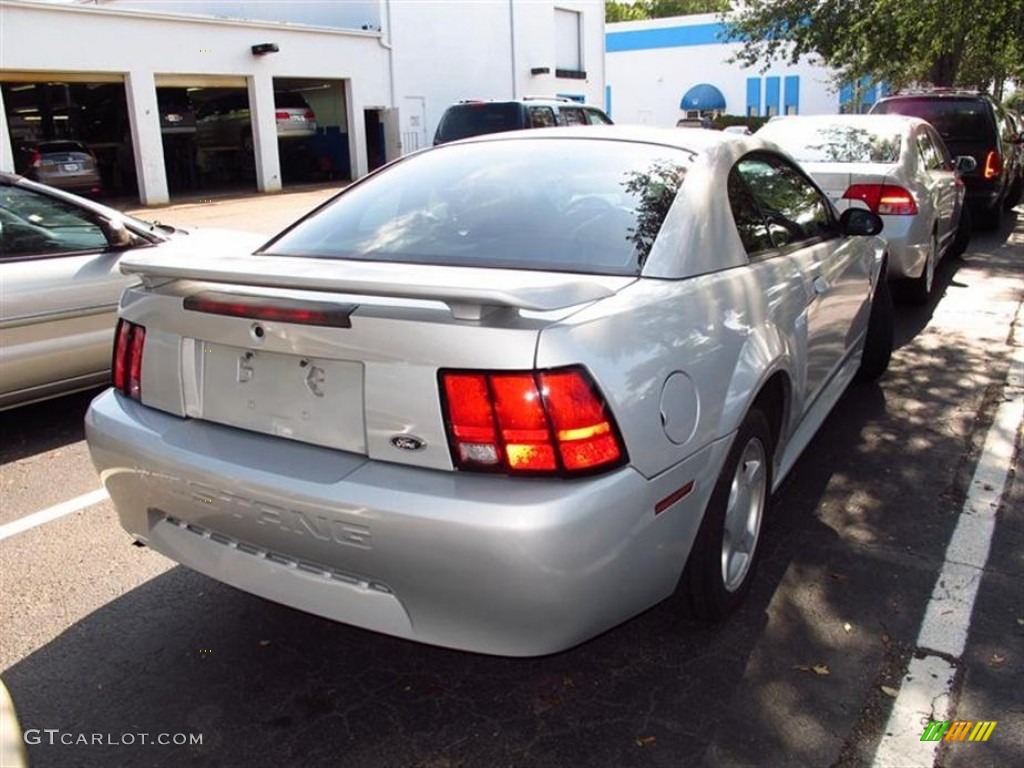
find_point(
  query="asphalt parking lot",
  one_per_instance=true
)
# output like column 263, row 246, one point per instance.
column 102, row 638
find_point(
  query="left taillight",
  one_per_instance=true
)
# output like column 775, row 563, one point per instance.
column 129, row 340
column 529, row 422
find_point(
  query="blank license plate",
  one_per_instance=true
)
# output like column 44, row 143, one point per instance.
column 302, row 398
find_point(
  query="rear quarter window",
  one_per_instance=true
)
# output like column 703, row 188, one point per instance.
column 466, row 120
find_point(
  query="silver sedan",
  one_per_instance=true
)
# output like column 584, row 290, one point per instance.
column 899, row 168
column 502, row 395
column 60, row 284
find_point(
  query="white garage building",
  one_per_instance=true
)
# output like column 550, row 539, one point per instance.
column 377, row 73
column 662, row 70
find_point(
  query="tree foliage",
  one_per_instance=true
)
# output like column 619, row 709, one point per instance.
column 659, row 9
column 976, row 43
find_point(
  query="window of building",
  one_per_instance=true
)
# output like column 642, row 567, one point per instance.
column 568, row 53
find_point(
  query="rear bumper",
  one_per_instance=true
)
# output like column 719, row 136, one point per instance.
column 515, row 567
column 79, row 182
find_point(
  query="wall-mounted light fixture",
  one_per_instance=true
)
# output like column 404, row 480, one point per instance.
column 263, row 48
column 540, row 70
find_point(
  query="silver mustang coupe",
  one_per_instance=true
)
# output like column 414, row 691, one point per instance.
column 504, row 393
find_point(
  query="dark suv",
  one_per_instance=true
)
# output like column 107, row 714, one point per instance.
column 972, row 124
column 474, row 118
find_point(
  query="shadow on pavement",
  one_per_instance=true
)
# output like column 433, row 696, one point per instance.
column 41, row 427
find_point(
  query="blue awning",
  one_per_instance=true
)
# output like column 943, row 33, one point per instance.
column 703, row 97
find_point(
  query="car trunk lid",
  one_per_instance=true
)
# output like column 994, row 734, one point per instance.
column 836, row 178
column 339, row 354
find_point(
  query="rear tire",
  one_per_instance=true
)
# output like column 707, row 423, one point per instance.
column 724, row 556
column 919, row 289
column 878, row 342
column 990, row 218
column 963, row 234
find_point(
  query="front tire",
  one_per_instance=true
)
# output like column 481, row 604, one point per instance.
column 878, row 343
column 721, row 565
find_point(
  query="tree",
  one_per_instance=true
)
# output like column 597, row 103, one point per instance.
column 966, row 42
column 660, row 9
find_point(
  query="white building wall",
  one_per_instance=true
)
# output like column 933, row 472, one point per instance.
column 484, row 49
column 647, row 84
column 338, row 14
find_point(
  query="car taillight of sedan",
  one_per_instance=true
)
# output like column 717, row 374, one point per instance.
column 529, row 422
column 883, row 199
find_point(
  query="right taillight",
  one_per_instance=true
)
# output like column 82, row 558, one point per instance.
column 529, row 422
column 993, row 165
column 129, row 340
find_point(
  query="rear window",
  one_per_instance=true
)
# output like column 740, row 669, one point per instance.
column 954, row 119
column 289, row 100
column 467, row 120
column 61, row 147
column 834, row 143
column 595, row 207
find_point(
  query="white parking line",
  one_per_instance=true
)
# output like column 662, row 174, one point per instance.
column 925, row 692
column 54, row 512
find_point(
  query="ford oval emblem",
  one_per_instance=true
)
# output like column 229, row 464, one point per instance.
column 408, row 443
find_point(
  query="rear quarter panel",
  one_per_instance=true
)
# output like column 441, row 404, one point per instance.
column 680, row 361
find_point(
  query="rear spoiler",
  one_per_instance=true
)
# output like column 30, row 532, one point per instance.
column 470, row 292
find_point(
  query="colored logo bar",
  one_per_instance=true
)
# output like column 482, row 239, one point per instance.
column 958, row 730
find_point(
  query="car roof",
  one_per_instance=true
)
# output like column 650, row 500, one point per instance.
column 951, row 94
column 691, row 141
column 14, row 179
column 887, row 122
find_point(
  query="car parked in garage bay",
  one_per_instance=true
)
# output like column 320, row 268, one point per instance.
column 503, row 394
column 899, row 168
column 60, row 285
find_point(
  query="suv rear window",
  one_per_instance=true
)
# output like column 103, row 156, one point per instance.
column 954, row 119
column 464, row 120
column 287, row 100
column 62, row 147
column 518, row 204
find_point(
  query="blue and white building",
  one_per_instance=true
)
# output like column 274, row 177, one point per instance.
column 659, row 71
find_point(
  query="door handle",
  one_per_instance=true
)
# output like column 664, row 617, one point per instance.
column 820, row 285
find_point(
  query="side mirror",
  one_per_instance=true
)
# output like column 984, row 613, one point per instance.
column 117, row 233
column 858, row 222
column 964, row 164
